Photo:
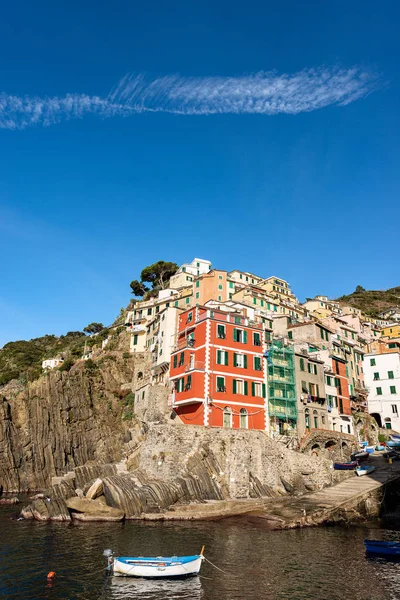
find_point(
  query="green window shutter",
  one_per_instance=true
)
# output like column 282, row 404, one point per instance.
column 234, row 386
column 254, row 300
column 321, row 333
column 253, row 388
column 220, row 382
column 189, row 381
column 245, row 361
column 244, row 337
column 235, row 335
column 263, row 391
column 135, row 339
column 257, row 363
column 219, row 357
column 246, row 388
column 290, row 335
column 234, row 359
column 175, row 360
column 226, row 358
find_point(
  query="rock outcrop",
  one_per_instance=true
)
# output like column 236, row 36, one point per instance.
column 84, row 509
column 61, row 421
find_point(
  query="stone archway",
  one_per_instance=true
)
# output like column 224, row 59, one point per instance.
column 377, row 418
column 330, row 444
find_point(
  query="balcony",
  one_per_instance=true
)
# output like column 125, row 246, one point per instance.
column 184, row 343
column 197, row 365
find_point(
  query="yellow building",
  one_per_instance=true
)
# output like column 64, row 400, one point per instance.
column 391, row 331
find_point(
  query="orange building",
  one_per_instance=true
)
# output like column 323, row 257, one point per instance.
column 342, row 385
column 211, row 286
column 217, row 369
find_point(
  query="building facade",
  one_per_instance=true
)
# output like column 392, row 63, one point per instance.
column 311, row 399
column 382, row 378
column 217, row 370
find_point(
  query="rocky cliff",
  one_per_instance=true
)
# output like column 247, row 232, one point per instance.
column 100, row 423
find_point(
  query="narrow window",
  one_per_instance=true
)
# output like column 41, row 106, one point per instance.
column 243, row 418
column 256, row 339
column 390, row 375
column 221, row 332
column 379, row 391
column 227, row 417
column 392, row 389
column 221, row 384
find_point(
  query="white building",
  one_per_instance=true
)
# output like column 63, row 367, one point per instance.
column 160, row 341
column 391, row 313
column 188, row 271
column 382, row 380
column 52, row 363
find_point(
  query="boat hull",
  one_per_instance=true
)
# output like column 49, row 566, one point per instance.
column 382, row 548
column 349, row 466
column 157, row 568
column 364, row 471
column 393, row 444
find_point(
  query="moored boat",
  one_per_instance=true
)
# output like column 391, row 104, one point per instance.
column 347, row 466
column 382, row 548
column 370, row 449
column 393, row 444
column 156, row 566
column 394, row 437
column 364, row 470
column 360, row 456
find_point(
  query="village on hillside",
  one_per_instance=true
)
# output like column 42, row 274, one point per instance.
column 240, row 351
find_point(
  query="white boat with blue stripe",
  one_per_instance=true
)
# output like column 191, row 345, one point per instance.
column 156, row 566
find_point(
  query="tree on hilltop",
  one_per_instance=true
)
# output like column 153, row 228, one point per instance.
column 359, row 288
column 158, row 275
column 93, row 328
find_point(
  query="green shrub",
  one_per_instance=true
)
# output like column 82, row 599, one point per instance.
column 126, row 355
column 67, row 365
column 130, row 399
column 90, row 365
column 8, row 376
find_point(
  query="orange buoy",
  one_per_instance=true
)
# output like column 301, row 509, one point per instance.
column 51, row 575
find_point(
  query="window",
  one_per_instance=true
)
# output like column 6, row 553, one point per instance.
column 302, row 366
column 175, row 361
column 394, row 410
column 256, row 339
column 309, row 367
column 176, row 303
column 219, row 276
column 149, row 311
column 240, row 387
column 227, row 417
column 188, row 383
column 392, row 345
column 315, row 414
column 372, row 362
column 240, row 335
column 379, row 391
column 197, row 284
column 189, row 278
column 392, row 389
column 231, row 285
column 181, row 359
column 240, row 360
column 191, row 361
column 157, row 309
column 257, row 363
column 197, row 295
column 315, row 369
column 230, row 296
column 290, row 335
column 221, row 384
column 307, row 418
column 254, row 300
column 221, row 332
column 190, row 317
column 268, row 336
column 390, row 375
column 256, row 389
column 243, row 418
column 220, row 287
column 321, row 331
column 376, row 376
column 219, row 298
column 222, row 357
column 187, row 300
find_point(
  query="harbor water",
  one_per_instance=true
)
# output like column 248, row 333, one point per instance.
column 256, row 563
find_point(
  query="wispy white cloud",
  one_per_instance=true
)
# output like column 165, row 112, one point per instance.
column 262, row 93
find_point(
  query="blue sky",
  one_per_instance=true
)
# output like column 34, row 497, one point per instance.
column 261, row 136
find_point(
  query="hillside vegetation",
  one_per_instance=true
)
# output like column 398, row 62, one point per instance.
column 372, row 302
column 23, row 359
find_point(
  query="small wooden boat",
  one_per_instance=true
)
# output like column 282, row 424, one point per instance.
column 156, row 566
column 364, row 470
column 382, row 548
column 370, row 449
column 393, row 444
column 360, row 456
column 347, row 466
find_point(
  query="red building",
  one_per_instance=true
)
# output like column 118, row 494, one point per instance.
column 217, row 369
column 342, row 385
